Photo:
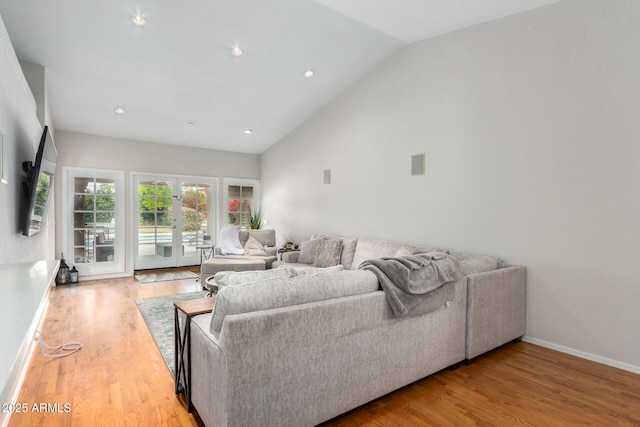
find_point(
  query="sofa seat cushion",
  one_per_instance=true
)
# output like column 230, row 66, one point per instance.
column 276, row 292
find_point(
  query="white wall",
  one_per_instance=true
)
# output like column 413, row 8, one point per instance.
column 530, row 126
column 21, row 131
column 92, row 151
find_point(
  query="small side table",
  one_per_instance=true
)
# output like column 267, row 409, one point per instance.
column 210, row 284
column 206, row 252
column 183, row 341
column 282, row 250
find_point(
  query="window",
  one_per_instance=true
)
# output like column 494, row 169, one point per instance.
column 241, row 200
column 94, row 220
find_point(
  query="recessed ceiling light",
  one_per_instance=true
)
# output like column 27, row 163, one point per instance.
column 138, row 20
column 248, row 131
column 191, row 122
column 236, row 50
column 119, row 110
column 308, row 73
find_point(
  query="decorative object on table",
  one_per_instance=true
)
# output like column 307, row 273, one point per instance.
column 73, row 275
column 290, row 245
column 63, row 271
column 255, row 220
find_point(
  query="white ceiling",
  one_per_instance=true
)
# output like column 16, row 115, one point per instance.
column 178, row 67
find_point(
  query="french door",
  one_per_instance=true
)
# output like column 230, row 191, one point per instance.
column 172, row 216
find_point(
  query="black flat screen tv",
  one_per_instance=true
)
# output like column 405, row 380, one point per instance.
column 39, row 185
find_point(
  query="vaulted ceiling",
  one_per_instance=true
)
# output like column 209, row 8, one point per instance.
column 175, row 76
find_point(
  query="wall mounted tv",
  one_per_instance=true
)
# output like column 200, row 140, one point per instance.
column 39, row 185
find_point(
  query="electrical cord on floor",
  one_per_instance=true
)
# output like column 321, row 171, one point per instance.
column 67, row 348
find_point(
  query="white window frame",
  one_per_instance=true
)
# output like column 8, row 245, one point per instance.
column 94, row 270
column 244, row 182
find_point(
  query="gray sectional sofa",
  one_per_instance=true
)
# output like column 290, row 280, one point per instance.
column 299, row 345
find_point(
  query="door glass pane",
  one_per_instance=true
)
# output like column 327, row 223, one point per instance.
column 94, row 220
column 195, row 206
column 155, row 219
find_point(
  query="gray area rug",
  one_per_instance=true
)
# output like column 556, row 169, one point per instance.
column 164, row 277
column 157, row 312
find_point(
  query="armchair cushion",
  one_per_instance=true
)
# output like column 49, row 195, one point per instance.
column 254, row 248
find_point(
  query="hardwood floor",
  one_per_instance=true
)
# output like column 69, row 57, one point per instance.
column 119, row 377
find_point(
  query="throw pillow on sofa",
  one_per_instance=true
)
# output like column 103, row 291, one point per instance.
column 308, row 250
column 328, row 253
column 254, row 248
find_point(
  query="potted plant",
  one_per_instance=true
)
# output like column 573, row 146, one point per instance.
column 255, row 220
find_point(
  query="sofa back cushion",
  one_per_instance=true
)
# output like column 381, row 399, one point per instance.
column 371, row 249
column 471, row 263
column 228, row 278
column 265, row 237
column 276, row 292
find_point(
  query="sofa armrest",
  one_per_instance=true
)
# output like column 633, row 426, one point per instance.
column 496, row 308
column 291, row 256
column 271, row 251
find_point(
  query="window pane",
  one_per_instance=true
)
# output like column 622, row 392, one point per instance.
column 147, row 203
column 82, row 185
column 105, row 202
column 164, row 218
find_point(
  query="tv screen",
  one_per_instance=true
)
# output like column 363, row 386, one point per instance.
column 39, row 185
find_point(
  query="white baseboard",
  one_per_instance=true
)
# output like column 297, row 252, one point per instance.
column 583, row 354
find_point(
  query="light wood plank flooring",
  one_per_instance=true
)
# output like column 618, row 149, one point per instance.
column 119, row 377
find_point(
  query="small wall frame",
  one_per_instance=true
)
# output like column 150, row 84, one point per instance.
column 326, row 176
column 418, row 164
column 3, row 172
